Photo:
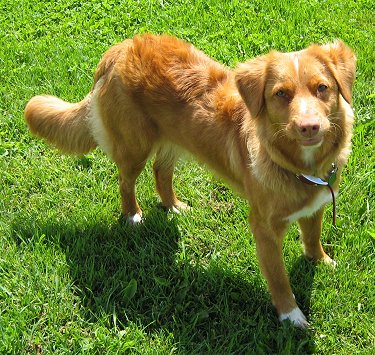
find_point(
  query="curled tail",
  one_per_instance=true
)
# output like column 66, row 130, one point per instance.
column 62, row 124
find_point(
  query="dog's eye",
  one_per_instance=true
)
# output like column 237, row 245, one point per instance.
column 281, row 93
column 322, row 88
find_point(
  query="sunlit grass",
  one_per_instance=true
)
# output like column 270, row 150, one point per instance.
column 74, row 278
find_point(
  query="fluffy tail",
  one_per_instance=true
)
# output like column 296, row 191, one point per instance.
column 62, row 124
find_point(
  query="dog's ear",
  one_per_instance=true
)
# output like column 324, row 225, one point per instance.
column 342, row 64
column 250, row 80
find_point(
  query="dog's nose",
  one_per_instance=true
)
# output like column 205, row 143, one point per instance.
column 309, row 128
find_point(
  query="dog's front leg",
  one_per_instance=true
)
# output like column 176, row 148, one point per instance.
column 311, row 229
column 269, row 241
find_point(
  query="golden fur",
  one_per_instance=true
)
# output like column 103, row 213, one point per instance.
column 257, row 126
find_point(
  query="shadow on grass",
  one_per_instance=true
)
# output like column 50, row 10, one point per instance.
column 143, row 275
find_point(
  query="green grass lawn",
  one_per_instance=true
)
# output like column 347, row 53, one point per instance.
column 75, row 278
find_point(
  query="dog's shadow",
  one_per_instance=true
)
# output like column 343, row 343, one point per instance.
column 141, row 275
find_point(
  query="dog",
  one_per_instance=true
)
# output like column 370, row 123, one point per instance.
column 261, row 127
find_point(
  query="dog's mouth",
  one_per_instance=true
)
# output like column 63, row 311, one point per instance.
column 310, row 142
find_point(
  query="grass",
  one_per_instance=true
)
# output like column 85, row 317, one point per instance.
column 74, row 278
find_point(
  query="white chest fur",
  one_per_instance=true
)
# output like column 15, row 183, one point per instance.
column 323, row 197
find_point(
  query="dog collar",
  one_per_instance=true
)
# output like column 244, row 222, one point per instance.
column 329, row 181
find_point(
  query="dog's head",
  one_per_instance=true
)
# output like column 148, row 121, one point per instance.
column 300, row 100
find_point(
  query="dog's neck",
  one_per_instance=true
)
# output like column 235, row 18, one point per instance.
column 309, row 161
column 273, row 168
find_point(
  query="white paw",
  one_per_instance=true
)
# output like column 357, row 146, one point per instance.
column 179, row 208
column 135, row 219
column 328, row 261
column 174, row 209
column 296, row 316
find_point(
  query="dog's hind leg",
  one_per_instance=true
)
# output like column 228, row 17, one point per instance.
column 129, row 168
column 165, row 161
column 129, row 150
column 130, row 153
column 125, row 134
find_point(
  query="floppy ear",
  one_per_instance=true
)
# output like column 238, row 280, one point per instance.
column 342, row 65
column 250, row 80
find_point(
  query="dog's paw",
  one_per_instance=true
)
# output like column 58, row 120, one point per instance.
column 178, row 207
column 296, row 317
column 325, row 259
column 134, row 219
column 329, row 261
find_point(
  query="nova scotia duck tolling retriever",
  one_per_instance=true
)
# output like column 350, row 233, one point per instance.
column 277, row 128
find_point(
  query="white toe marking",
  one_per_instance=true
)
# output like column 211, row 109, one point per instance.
column 180, row 208
column 330, row 262
column 175, row 210
column 296, row 317
column 135, row 219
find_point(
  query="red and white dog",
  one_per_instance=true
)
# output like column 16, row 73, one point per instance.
column 259, row 126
